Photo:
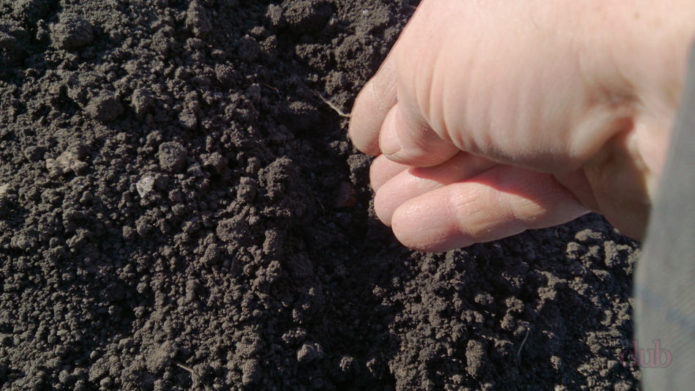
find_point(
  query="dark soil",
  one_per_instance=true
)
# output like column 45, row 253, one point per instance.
column 179, row 208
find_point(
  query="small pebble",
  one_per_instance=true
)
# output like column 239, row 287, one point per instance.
column 145, row 185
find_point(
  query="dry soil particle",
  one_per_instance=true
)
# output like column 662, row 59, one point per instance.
column 307, row 15
column 104, row 108
column 71, row 32
column 180, row 210
column 172, row 156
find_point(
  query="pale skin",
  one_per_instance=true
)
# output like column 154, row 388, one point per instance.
column 489, row 118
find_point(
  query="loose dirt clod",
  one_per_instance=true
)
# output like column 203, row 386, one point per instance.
column 142, row 101
column 68, row 161
column 71, row 32
column 104, row 107
column 310, row 352
column 172, row 156
column 307, row 15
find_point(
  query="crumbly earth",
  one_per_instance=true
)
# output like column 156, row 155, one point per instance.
column 181, row 209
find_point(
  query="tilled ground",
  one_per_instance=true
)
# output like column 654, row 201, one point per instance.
column 180, row 208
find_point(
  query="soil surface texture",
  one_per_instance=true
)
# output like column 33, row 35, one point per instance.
column 180, row 208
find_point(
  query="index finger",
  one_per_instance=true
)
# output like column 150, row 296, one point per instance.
column 372, row 104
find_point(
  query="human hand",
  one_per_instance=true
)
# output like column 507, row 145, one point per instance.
column 495, row 117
